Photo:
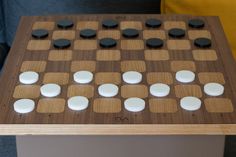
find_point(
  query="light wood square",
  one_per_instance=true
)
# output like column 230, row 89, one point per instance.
column 132, row 44
column 159, row 77
column 182, row 65
column 218, row 105
column 156, row 55
column 194, row 34
column 83, row 65
column 133, row 65
column 87, row 25
column 80, row 90
column 56, row 77
column 205, row 55
column 64, row 34
column 37, row 66
column 188, row 90
column 108, row 77
column 207, row 77
column 178, row 44
column 108, row 55
column 107, row 105
column 154, row 34
column 85, row 45
column 27, row 91
column 163, row 105
column 60, row 55
column 128, row 91
column 131, row 24
column 44, row 25
column 115, row 34
column 174, row 24
column 51, row 105
column 39, row 45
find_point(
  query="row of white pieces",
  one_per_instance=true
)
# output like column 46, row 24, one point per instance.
column 134, row 104
column 109, row 90
column 83, row 77
column 160, row 89
column 131, row 77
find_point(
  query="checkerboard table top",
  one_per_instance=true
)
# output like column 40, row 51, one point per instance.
column 157, row 64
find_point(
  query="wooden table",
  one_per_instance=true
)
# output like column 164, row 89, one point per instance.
column 162, row 116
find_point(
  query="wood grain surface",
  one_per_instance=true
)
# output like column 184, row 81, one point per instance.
column 217, row 115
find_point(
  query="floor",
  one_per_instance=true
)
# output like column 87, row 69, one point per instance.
column 7, row 146
column 230, row 146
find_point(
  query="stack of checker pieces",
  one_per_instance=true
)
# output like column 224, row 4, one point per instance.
column 157, row 62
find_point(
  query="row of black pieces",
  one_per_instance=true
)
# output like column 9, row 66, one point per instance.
column 127, row 33
column 194, row 23
column 90, row 33
column 85, row 33
column 199, row 42
column 151, row 43
column 110, row 23
column 152, row 23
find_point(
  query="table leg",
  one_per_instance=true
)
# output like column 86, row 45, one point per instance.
column 117, row 146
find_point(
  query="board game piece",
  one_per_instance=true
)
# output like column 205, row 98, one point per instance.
column 109, row 23
column 24, row 105
column 176, row 33
column 108, row 90
column 107, row 42
column 159, row 90
column 61, row 43
column 130, row 33
column 88, row 33
column 78, row 103
column 196, row 23
column 185, row 76
column 213, row 89
column 65, row 24
column 39, row 33
column 153, row 23
column 83, row 77
column 154, row 43
column 132, row 77
column 50, row 90
column 190, row 103
column 134, row 104
column 202, row 42
column 28, row 77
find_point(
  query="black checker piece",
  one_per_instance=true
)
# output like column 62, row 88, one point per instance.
column 110, row 23
column 39, row 33
column 130, row 33
column 196, row 23
column 202, row 42
column 153, row 23
column 65, row 24
column 154, row 43
column 107, row 42
column 88, row 33
column 61, row 43
column 176, row 33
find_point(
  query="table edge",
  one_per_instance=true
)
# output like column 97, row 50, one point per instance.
column 118, row 129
